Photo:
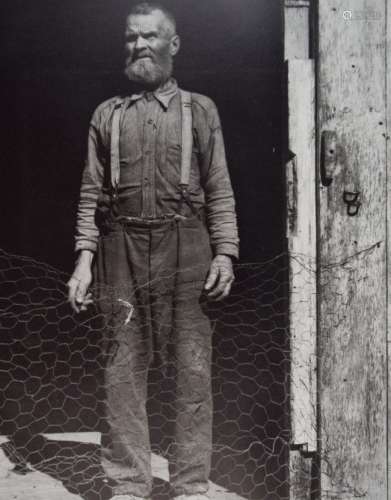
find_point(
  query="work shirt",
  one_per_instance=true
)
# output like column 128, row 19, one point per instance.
column 150, row 164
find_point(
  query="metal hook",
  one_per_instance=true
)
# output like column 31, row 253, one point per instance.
column 351, row 198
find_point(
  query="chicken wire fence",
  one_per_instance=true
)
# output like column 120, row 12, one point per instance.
column 51, row 380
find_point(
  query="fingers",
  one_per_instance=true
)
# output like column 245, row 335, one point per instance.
column 81, row 292
column 223, row 285
column 222, row 289
column 72, row 287
column 212, row 277
column 220, row 278
column 88, row 300
column 78, row 296
column 227, row 290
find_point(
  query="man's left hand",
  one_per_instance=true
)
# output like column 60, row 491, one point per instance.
column 220, row 277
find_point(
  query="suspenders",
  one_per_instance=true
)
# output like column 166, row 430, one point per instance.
column 114, row 146
column 187, row 139
column 187, row 146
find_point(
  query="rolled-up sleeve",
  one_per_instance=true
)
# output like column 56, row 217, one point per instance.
column 219, row 197
column 86, row 235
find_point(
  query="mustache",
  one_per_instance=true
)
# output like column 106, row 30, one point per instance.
column 139, row 55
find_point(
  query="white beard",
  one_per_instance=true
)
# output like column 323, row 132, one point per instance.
column 148, row 72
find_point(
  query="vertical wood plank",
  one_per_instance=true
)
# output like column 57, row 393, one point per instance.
column 296, row 32
column 302, row 251
column 352, row 251
column 388, row 153
column 301, row 237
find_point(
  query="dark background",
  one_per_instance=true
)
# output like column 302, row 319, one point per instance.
column 61, row 59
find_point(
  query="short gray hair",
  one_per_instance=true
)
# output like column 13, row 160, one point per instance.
column 145, row 8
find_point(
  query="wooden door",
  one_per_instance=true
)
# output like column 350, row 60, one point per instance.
column 339, row 428
column 352, row 248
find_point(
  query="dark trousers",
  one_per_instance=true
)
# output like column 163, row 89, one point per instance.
column 150, row 279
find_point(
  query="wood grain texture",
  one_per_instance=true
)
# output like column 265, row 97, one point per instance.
column 352, row 251
column 301, row 238
column 302, row 252
column 296, row 32
column 388, row 134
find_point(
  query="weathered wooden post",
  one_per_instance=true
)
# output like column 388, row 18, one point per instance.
column 351, row 48
column 301, row 235
column 352, row 223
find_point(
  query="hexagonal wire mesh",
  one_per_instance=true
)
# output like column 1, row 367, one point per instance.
column 51, row 379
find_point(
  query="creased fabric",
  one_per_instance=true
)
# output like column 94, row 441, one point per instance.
column 150, row 157
column 150, row 292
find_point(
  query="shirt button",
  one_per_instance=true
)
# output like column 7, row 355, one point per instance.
column 150, row 121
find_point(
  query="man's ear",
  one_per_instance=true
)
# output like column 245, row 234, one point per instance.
column 175, row 45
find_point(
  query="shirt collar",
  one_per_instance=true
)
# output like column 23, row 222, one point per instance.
column 162, row 94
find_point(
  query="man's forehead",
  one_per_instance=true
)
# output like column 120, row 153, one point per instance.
column 155, row 21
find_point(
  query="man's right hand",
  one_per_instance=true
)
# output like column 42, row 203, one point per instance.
column 80, row 281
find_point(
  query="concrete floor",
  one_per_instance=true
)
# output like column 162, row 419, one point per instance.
column 36, row 485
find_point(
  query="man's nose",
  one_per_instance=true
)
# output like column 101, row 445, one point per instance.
column 141, row 43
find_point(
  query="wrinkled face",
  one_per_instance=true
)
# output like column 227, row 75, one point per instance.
column 150, row 44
